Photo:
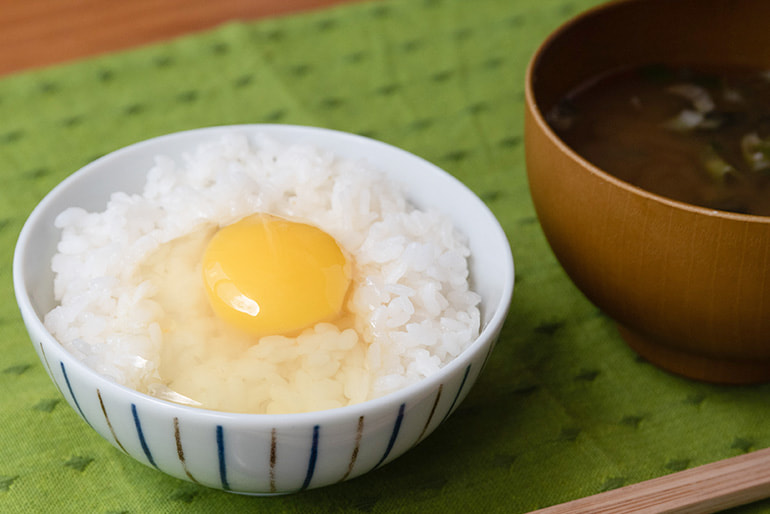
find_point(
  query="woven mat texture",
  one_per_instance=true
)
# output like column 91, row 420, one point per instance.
column 563, row 410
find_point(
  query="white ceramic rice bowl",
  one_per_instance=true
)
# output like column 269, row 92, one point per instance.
column 253, row 453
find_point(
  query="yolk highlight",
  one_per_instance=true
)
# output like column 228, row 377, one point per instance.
column 268, row 275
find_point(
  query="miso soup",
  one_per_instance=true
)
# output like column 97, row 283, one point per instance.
column 700, row 136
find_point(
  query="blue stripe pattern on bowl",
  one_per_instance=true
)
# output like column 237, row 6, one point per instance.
column 274, row 455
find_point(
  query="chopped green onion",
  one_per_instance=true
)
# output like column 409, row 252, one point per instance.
column 756, row 151
column 716, row 167
column 699, row 97
column 685, row 121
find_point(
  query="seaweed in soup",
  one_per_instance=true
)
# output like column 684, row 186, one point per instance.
column 700, row 136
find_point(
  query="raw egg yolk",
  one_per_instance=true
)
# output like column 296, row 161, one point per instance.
column 267, row 275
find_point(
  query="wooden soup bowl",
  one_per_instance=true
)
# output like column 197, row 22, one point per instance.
column 688, row 286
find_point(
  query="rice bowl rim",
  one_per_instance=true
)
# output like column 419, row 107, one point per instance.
column 417, row 389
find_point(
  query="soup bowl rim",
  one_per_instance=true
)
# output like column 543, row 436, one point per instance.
column 534, row 108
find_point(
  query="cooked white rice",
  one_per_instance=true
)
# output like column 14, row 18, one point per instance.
column 132, row 306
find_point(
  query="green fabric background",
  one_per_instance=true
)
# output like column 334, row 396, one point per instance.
column 563, row 410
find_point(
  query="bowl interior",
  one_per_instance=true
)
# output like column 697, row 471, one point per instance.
column 636, row 32
column 125, row 170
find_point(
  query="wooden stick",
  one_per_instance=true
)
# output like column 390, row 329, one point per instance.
column 709, row 488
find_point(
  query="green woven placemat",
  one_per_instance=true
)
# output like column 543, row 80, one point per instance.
column 563, row 409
